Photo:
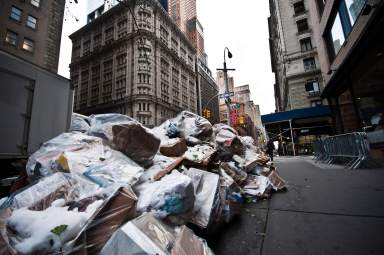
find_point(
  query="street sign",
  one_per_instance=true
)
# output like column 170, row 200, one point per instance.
column 226, row 95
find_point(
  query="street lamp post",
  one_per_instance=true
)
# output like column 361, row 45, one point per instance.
column 226, row 93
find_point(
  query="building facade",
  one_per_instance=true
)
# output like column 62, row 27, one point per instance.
column 31, row 30
column 146, row 72
column 294, row 56
column 184, row 13
column 208, row 99
column 350, row 33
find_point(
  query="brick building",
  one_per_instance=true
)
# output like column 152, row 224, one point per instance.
column 31, row 30
column 147, row 73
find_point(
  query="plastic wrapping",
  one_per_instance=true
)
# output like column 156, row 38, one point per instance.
column 84, row 149
column 84, row 156
column 117, row 210
column 79, row 123
column 99, row 123
column 173, row 194
column 228, row 140
column 183, row 125
column 206, row 186
column 143, row 235
column 60, row 222
column 187, row 243
column 147, row 235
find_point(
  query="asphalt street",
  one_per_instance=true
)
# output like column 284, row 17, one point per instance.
column 326, row 210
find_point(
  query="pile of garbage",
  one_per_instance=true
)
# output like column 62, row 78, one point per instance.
column 113, row 186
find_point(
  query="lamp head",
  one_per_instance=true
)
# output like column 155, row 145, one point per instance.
column 229, row 54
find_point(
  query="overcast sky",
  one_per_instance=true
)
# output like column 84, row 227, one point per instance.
column 240, row 25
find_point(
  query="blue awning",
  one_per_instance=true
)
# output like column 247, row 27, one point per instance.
column 318, row 111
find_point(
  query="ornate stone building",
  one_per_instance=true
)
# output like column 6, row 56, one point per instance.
column 294, row 55
column 146, row 72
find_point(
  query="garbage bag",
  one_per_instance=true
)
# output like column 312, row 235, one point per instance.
column 99, row 122
column 187, row 243
column 228, row 140
column 79, row 123
column 173, row 194
column 183, row 125
column 148, row 235
column 46, row 160
column 135, row 141
column 236, row 173
column 143, row 235
column 206, row 188
column 119, row 208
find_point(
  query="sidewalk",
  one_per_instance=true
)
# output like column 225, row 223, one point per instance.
column 325, row 211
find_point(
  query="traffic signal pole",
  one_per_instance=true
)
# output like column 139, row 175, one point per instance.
column 226, row 93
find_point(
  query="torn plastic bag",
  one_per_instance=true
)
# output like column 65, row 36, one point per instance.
column 183, row 125
column 40, row 230
column 135, row 141
column 173, row 194
column 206, row 190
column 227, row 140
column 143, row 235
column 79, row 123
column 46, row 160
column 40, row 195
column 117, row 169
column 191, row 124
column 118, row 209
column 187, row 243
column 147, row 235
column 99, row 122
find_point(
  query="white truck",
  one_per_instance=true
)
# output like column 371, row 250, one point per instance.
column 35, row 106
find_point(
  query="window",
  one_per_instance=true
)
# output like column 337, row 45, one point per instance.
column 299, row 7
column 302, row 25
column 312, row 86
column 28, row 45
column 354, row 8
column 31, row 22
column 306, row 44
column 337, row 35
column 11, row 37
column 309, row 64
column 346, row 16
column 16, row 13
column 35, row 3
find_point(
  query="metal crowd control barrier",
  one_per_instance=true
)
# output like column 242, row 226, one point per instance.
column 352, row 148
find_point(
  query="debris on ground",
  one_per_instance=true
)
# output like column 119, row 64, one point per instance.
column 113, row 186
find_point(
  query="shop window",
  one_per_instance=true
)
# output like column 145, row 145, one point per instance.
column 306, row 44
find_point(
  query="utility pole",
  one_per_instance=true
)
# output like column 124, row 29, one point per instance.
column 227, row 92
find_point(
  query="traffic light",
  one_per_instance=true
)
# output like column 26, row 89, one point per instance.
column 241, row 120
column 208, row 114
